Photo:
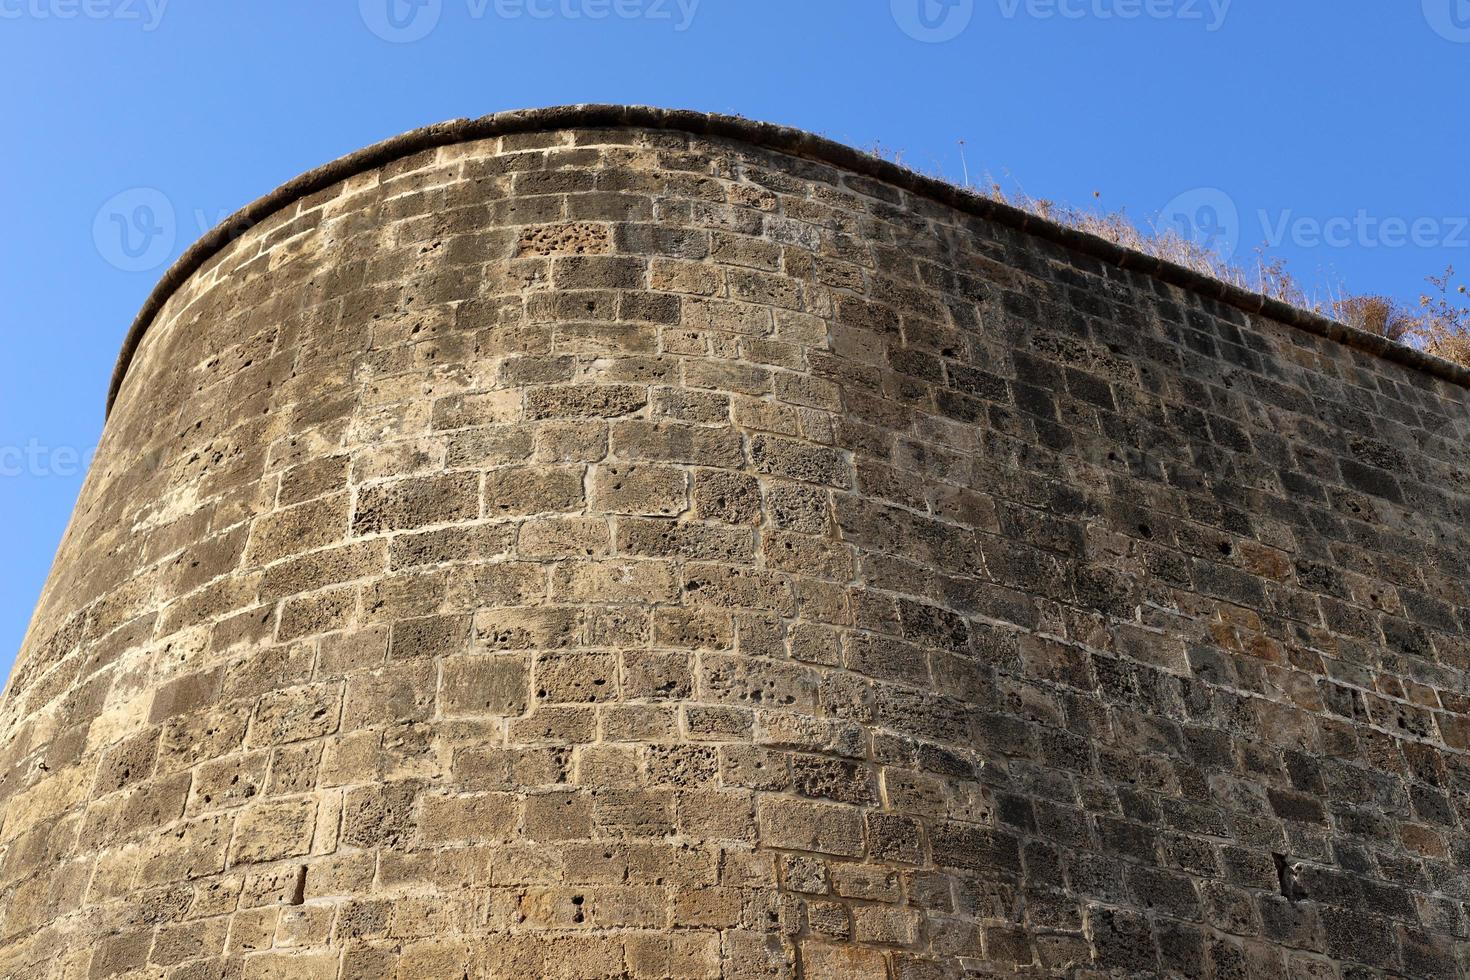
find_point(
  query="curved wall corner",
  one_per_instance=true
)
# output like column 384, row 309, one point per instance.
column 612, row 544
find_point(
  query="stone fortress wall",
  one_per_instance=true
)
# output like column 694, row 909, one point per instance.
column 610, row 543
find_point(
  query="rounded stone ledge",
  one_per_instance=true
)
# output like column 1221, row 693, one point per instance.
column 784, row 139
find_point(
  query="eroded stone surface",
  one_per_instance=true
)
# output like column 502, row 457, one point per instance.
column 615, row 554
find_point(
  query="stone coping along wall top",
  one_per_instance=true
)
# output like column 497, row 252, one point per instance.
column 780, row 138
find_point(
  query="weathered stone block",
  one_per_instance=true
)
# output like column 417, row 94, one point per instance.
column 477, row 686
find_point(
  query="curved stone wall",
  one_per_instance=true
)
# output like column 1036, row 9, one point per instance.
column 622, row 552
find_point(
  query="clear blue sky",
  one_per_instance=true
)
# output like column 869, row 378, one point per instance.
column 1344, row 117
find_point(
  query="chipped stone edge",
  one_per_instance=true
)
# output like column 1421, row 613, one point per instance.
column 784, row 139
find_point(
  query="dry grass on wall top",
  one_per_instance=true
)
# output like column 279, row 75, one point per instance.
column 1439, row 324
